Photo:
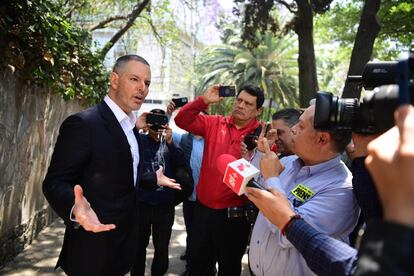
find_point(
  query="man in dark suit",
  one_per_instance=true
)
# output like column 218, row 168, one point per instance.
column 94, row 173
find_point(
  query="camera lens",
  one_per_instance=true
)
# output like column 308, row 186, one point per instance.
column 373, row 115
column 347, row 110
column 334, row 112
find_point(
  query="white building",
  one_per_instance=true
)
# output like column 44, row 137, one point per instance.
column 172, row 65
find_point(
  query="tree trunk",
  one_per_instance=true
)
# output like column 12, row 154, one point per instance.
column 364, row 42
column 134, row 14
column 308, row 81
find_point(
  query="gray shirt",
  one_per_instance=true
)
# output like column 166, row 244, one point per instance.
column 322, row 195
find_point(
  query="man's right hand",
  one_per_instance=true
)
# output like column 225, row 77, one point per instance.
column 85, row 215
column 270, row 136
column 211, row 95
column 270, row 164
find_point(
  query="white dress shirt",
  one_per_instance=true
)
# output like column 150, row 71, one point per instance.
column 127, row 122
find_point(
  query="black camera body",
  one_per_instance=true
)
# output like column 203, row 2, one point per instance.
column 227, row 91
column 375, row 113
column 250, row 141
column 179, row 102
column 157, row 120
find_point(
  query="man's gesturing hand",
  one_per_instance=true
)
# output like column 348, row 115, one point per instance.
column 270, row 164
column 85, row 215
column 163, row 180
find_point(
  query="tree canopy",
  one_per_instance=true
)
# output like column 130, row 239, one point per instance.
column 49, row 43
column 332, row 36
column 39, row 45
column 271, row 65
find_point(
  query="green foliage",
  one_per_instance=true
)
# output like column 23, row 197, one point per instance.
column 397, row 24
column 260, row 16
column 340, row 24
column 271, row 65
column 158, row 19
column 41, row 47
column 335, row 33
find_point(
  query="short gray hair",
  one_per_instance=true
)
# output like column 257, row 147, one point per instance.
column 122, row 61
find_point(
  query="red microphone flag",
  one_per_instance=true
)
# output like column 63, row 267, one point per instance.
column 236, row 172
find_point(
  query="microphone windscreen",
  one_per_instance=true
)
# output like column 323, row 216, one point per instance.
column 223, row 160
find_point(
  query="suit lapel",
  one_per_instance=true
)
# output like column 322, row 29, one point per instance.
column 118, row 136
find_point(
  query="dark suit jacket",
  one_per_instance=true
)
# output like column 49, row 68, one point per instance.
column 93, row 151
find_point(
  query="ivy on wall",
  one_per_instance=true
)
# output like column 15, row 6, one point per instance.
column 43, row 48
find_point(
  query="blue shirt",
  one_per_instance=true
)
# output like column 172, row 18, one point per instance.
column 195, row 159
column 326, row 255
column 322, row 195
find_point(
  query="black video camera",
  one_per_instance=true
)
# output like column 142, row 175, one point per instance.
column 251, row 139
column 157, row 121
column 393, row 85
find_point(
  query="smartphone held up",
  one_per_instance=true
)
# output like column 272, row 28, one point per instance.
column 227, row 91
column 179, row 102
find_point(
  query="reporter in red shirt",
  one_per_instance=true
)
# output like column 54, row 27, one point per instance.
column 216, row 235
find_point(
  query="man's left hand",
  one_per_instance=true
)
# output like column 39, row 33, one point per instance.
column 165, row 181
column 270, row 164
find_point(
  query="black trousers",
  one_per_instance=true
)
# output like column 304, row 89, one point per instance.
column 217, row 238
column 188, row 212
column 158, row 221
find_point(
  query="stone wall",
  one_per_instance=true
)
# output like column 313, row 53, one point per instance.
column 29, row 123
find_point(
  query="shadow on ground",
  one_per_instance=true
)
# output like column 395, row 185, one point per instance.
column 40, row 257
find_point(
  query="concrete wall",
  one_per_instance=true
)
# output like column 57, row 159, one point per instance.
column 29, row 123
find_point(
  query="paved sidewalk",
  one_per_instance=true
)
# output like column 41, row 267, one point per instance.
column 40, row 257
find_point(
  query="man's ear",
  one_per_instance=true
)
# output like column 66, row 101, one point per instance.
column 114, row 80
column 323, row 138
column 259, row 111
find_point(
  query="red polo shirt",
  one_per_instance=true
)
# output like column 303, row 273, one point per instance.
column 220, row 136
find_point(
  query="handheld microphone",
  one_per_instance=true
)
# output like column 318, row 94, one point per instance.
column 237, row 173
column 254, row 184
